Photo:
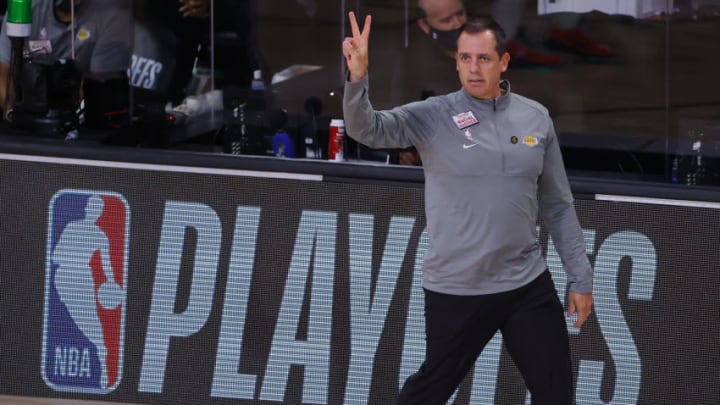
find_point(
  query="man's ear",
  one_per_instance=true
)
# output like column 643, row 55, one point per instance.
column 423, row 25
column 505, row 61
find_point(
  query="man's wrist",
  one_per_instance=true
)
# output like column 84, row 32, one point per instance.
column 354, row 77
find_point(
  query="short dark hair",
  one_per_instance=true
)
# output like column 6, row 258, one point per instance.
column 479, row 23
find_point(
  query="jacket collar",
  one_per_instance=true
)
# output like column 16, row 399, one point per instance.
column 499, row 102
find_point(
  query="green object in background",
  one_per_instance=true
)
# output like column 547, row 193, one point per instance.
column 19, row 18
column 19, row 11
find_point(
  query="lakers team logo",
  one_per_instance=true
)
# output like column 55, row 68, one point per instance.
column 530, row 140
column 83, row 34
column 85, row 291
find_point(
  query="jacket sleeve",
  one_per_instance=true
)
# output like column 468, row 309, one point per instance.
column 400, row 127
column 558, row 213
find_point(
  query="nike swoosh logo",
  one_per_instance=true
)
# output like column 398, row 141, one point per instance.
column 466, row 146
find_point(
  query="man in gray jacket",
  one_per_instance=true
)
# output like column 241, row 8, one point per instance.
column 492, row 163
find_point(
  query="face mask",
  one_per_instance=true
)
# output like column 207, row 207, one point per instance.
column 447, row 39
column 65, row 5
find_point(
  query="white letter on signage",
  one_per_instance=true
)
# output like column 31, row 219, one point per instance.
column 314, row 249
column 227, row 382
column 163, row 322
column 641, row 252
column 367, row 316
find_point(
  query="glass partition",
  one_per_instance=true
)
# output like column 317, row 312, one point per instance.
column 63, row 66
column 631, row 86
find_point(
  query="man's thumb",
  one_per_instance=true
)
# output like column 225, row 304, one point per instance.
column 571, row 309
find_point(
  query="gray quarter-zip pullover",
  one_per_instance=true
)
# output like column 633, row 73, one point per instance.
column 490, row 166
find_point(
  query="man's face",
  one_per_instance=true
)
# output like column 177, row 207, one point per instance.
column 478, row 64
column 444, row 15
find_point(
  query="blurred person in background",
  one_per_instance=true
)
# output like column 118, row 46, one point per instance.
column 101, row 39
column 173, row 39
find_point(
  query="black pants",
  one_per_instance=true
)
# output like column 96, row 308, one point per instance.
column 457, row 329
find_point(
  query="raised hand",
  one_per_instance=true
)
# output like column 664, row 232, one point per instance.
column 355, row 48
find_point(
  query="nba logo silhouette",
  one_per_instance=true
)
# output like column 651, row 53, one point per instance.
column 85, row 291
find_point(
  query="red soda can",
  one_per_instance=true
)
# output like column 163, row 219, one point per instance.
column 336, row 140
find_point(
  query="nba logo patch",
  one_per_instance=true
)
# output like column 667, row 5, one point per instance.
column 85, row 291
